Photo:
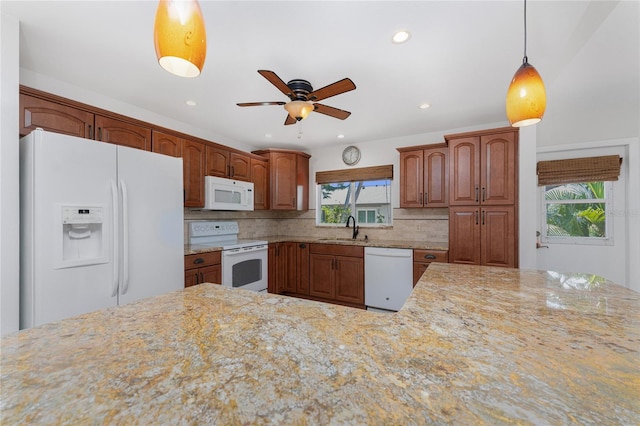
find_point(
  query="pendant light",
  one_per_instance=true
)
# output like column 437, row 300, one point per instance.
column 299, row 109
column 180, row 37
column 526, row 97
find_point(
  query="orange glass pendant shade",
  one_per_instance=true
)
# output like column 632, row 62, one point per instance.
column 180, row 37
column 299, row 109
column 526, row 97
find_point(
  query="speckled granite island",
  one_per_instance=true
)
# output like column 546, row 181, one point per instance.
column 472, row 345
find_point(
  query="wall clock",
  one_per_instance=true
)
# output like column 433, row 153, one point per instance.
column 351, row 155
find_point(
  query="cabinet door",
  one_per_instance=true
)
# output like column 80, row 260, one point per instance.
column 436, row 178
column 411, row 178
column 418, row 270
column 464, row 235
column 498, row 171
column 272, row 268
column 283, row 181
column 240, row 167
column 464, row 171
column 349, row 279
column 191, row 277
column 163, row 143
column 260, row 179
column 36, row 112
column 302, row 268
column 321, row 276
column 193, row 168
column 287, row 267
column 122, row 133
column 211, row 274
column 217, row 162
column 498, row 247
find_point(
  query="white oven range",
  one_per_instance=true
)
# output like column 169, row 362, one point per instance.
column 244, row 262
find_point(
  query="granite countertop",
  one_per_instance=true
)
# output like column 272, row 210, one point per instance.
column 420, row 245
column 472, row 345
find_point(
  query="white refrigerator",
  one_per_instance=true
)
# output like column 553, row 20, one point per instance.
column 101, row 225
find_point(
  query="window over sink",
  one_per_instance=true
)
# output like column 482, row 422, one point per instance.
column 362, row 193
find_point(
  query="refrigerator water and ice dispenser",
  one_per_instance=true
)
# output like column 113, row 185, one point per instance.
column 83, row 241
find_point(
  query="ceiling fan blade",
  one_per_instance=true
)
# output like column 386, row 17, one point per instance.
column 246, row 104
column 289, row 120
column 277, row 81
column 342, row 86
column 331, row 111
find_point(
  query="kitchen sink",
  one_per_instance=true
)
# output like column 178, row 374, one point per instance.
column 340, row 239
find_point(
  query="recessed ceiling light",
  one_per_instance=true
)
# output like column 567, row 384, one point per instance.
column 340, row 136
column 191, row 103
column 401, row 36
column 267, row 135
column 424, row 106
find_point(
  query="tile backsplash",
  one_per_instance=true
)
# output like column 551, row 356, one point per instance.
column 408, row 224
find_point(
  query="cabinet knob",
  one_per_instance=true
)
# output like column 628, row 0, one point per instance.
column 302, row 245
column 198, row 261
column 429, row 256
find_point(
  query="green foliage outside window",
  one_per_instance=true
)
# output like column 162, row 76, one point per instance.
column 576, row 210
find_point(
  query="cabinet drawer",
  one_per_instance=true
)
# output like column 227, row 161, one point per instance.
column 337, row 250
column 427, row 256
column 199, row 260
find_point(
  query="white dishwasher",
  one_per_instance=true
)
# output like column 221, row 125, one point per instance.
column 388, row 277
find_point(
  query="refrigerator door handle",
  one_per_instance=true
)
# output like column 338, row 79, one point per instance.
column 125, row 238
column 114, row 212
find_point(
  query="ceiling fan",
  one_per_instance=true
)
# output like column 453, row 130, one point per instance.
column 303, row 98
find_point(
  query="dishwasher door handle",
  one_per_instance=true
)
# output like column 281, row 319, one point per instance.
column 388, row 254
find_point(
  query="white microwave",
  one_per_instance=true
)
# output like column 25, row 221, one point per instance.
column 227, row 194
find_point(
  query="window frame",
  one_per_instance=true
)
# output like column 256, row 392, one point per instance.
column 354, row 206
column 595, row 241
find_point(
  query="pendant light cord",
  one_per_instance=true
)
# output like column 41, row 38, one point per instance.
column 525, row 59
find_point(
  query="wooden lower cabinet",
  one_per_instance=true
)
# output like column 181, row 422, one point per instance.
column 289, row 268
column 336, row 273
column 483, row 235
column 202, row 268
column 423, row 258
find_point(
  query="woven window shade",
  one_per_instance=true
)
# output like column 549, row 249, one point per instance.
column 355, row 175
column 576, row 170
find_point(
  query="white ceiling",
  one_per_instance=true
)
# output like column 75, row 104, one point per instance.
column 460, row 59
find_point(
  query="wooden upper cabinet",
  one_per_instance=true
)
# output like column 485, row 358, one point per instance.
column 498, row 178
column 283, row 181
column 51, row 116
column 260, row 179
column 224, row 163
column 424, row 177
column 411, row 178
column 482, row 168
column 288, row 171
column 122, row 133
column 193, row 162
column 163, row 143
column 217, row 162
column 464, row 169
column 240, row 167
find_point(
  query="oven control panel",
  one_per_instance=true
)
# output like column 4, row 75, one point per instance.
column 208, row 229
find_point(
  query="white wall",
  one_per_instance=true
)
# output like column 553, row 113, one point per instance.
column 619, row 262
column 9, row 193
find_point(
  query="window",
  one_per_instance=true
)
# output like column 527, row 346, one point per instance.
column 576, row 213
column 369, row 199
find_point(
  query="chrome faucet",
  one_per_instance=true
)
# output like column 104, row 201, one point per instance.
column 355, row 227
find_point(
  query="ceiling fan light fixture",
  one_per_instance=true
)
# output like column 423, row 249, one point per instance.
column 526, row 96
column 180, row 37
column 299, row 110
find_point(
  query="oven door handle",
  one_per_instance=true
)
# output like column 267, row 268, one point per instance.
column 243, row 250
